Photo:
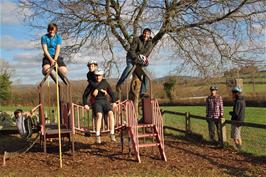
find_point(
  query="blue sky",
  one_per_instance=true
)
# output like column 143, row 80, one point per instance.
column 20, row 47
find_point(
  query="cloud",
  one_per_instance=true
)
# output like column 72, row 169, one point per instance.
column 90, row 53
column 28, row 69
column 11, row 43
column 9, row 13
column 27, row 59
column 27, row 62
column 27, row 76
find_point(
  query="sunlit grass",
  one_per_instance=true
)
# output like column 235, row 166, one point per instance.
column 254, row 139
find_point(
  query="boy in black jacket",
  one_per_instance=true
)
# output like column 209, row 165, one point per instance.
column 238, row 114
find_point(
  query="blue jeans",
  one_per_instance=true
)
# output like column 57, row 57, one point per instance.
column 126, row 72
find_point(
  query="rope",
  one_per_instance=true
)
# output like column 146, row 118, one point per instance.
column 8, row 155
column 58, row 116
column 49, row 100
column 33, row 143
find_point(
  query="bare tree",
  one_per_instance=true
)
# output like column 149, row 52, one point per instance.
column 203, row 33
column 207, row 36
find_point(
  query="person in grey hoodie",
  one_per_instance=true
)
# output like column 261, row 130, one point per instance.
column 23, row 123
column 138, row 54
column 238, row 114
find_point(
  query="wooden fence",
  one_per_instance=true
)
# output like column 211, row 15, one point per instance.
column 187, row 116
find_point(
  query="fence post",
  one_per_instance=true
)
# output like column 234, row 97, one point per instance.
column 223, row 130
column 188, row 125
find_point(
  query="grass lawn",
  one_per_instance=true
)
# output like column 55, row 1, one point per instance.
column 248, row 88
column 11, row 109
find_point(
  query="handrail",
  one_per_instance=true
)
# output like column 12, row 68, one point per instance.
column 35, row 108
column 158, row 120
column 88, row 126
column 132, row 125
column 247, row 124
column 172, row 112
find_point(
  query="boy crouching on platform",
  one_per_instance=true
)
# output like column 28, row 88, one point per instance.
column 102, row 106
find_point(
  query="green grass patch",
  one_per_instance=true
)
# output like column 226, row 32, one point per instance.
column 248, row 88
column 11, row 109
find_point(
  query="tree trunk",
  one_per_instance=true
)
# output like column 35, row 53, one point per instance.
column 135, row 91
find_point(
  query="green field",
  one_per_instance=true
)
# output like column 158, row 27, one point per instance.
column 248, row 88
column 11, row 109
column 254, row 140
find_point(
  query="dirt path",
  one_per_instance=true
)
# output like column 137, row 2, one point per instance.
column 185, row 158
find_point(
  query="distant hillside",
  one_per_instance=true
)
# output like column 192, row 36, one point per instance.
column 176, row 77
column 185, row 87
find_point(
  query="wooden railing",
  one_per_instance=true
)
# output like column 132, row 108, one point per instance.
column 80, row 122
column 187, row 116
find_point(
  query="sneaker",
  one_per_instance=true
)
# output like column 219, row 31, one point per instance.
column 98, row 140
column 112, row 136
column 87, row 134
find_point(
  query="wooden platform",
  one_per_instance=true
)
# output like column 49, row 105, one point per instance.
column 53, row 133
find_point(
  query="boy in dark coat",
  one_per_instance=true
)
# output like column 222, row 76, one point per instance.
column 102, row 106
column 238, row 114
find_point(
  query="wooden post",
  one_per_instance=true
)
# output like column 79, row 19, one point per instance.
column 223, row 130
column 188, row 125
column 239, row 83
column 4, row 158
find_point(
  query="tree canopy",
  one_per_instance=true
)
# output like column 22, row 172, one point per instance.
column 206, row 35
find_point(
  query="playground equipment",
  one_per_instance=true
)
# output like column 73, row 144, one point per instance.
column 50, row 130
column 149, row 131
column 73, row 118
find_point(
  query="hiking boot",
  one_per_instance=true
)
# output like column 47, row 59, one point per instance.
column 98, row 140
column 112, row 137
